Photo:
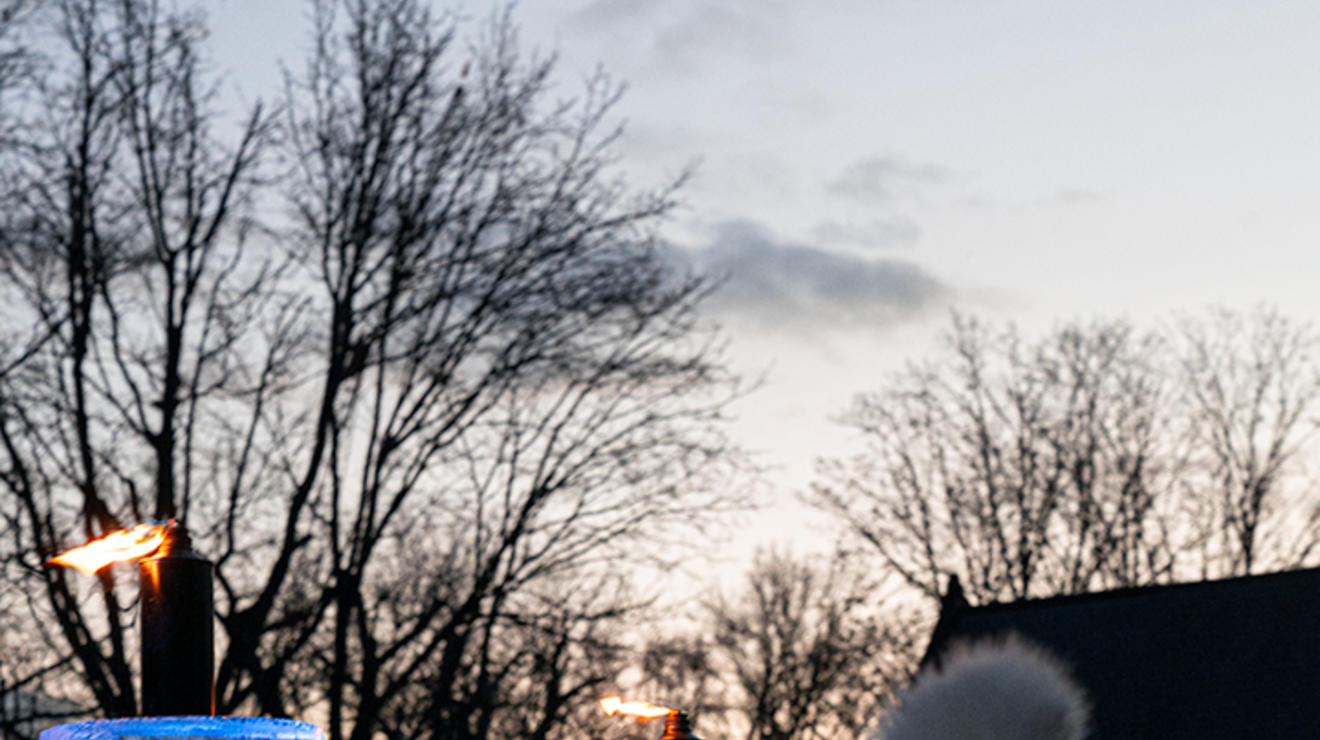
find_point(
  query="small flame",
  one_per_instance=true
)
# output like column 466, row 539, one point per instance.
column 126, row 544
column 642, row 710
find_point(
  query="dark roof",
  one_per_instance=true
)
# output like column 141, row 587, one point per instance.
column 1236, row 658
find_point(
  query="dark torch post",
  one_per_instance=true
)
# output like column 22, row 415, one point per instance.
column 177, row 634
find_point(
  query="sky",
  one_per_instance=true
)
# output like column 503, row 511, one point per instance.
column 864, row 167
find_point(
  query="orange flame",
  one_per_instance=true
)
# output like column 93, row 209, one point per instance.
column 642, row 710
column 126, row 544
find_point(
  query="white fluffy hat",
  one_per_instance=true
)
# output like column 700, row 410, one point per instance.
column 1003, row 690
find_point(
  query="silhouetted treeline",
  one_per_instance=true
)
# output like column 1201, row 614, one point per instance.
column 1096, row 456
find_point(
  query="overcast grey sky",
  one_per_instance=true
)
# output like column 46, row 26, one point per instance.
column 866, row 165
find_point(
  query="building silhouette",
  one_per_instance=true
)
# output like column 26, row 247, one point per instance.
column 1235, row 658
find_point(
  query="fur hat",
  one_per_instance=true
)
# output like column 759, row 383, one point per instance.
column 1003, row 690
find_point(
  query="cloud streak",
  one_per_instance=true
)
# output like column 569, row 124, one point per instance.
column 775, row 285
column 685, row 37
column 879, row 179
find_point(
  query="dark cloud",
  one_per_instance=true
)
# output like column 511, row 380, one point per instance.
column 880, row 179
column 771, row 284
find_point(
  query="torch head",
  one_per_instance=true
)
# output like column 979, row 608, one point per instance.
column 678, row 726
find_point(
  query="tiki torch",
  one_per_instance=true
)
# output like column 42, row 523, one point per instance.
column 677, row 724
column 176, row 613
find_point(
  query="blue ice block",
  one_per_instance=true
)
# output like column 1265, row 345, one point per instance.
column 239, row 728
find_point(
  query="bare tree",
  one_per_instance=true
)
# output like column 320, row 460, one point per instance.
column 810, row 649
column 680, row 670
column 539, row 670
column 14, row 56
column 1252, row 390
column 1025, row 469
column 408, row 420
column 1095, row 457
column 121, row 267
